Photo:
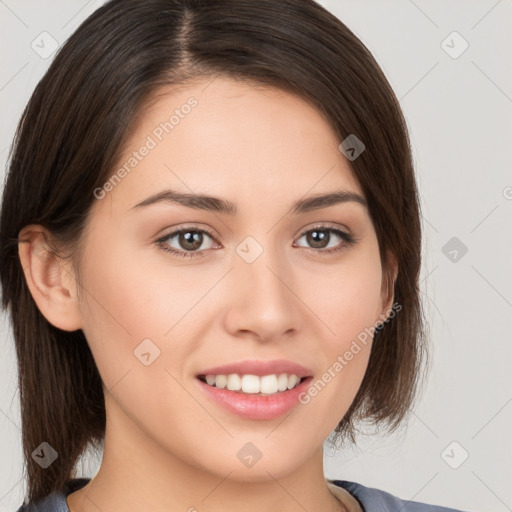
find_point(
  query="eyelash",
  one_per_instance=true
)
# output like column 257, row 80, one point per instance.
column 346, row 237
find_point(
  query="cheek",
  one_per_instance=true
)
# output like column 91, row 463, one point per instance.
column 130, row 301
column 347, row 299
column 348, row 302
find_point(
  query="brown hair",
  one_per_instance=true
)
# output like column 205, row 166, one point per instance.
column 71, row 134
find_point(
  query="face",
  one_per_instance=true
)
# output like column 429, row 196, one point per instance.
column 267, row 283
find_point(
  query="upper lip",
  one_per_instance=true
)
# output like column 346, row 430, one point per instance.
column 259, row 368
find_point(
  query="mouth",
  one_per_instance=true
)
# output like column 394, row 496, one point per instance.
column 248, row 384
column 254, row 397
column 255, row 389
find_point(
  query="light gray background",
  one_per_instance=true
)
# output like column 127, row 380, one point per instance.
column 459, row 112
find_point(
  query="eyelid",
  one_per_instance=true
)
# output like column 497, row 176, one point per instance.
column 185, row 227
column 325, row 225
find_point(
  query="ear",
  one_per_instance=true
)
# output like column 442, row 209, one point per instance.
column 49, row 278
column 388, row 285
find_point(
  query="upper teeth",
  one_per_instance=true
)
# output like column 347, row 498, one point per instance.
column 267, row 384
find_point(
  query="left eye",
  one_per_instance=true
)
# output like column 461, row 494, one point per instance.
column 318, row 236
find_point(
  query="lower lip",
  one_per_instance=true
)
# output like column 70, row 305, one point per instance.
column 256, row 407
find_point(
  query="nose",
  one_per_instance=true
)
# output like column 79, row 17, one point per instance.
column 264, row 302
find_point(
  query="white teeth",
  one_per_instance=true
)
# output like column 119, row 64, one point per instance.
column 268, row 384
column 234, row 382
column 250, row 384
column 253, row 384
column 282, row 382
column 292, row 381
column 220, row 381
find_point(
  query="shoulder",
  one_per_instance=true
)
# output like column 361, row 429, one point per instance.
column 368, row 497
column 375, row 499
column 55, row 501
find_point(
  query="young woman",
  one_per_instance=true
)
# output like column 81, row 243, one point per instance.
column 210, row 248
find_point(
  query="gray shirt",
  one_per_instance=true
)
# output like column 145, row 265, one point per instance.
column 370, row 499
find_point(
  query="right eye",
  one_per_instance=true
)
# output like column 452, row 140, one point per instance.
column 190, row 240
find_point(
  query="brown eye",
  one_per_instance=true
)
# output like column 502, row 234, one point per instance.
column 190, row 240
column 185, row 242
column 320, row 237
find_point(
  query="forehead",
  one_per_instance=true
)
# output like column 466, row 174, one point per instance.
column 229, row 139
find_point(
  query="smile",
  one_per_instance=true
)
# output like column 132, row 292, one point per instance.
column 253, row 404
column 264, row 385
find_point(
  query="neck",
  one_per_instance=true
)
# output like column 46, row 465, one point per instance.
column 137, row 473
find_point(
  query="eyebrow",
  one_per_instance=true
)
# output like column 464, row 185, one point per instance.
column 215, row 204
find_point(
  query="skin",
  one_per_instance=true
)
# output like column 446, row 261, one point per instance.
column 168, row 446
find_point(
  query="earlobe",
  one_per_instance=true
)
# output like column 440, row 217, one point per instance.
column 49, row 279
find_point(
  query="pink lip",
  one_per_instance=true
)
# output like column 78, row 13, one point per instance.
column 256, row 407
column 259, row 368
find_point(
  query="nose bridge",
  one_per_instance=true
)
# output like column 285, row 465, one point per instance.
column 264, row 301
